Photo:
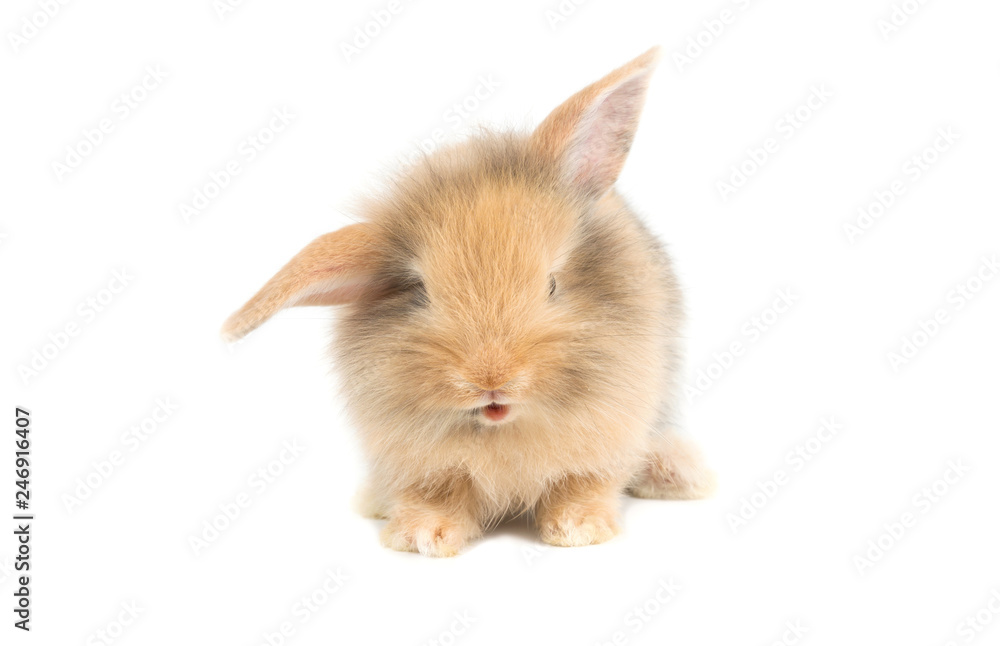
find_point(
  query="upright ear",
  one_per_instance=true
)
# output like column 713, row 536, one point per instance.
column 590, row 134
column 333, row 269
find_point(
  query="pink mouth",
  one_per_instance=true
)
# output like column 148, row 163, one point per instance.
column 496, row 412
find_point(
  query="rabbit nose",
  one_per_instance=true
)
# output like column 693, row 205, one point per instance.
column 492, row 368
column 490, row 378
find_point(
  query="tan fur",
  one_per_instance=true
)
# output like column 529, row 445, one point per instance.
column 447, row 289
column 327, row 272
column 579, row 510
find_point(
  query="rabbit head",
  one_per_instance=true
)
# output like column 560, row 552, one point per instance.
column 475, row 283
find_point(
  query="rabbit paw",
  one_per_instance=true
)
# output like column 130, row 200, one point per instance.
column 676, row 472
column 428, row 534
column 569, row 529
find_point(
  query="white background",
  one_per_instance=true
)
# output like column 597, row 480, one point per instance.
column 795, row 561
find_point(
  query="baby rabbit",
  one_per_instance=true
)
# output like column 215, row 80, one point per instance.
column 509, row 340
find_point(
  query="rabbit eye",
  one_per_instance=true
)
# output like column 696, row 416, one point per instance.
column 552, row 285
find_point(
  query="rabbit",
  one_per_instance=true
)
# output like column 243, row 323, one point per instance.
column 509, row 338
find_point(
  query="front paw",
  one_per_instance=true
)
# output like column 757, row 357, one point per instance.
column 429, row 534
column 573, row 528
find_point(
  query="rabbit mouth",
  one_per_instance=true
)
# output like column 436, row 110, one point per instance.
column 496, row 412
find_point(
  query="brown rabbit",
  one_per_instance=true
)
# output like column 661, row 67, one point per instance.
column 509, row 341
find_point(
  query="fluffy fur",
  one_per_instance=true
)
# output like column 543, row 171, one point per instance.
column 506, row 269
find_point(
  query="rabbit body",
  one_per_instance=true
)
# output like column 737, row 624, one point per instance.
column 509, row 340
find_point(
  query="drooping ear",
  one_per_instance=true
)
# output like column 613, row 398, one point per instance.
column 333, row 269
column 590, row 134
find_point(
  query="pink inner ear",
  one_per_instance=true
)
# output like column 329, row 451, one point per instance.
column 333, row 269
column 329, row 292
column 604, row 136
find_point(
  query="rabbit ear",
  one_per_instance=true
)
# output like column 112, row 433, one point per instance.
column 591, row 133
column 333, row 269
